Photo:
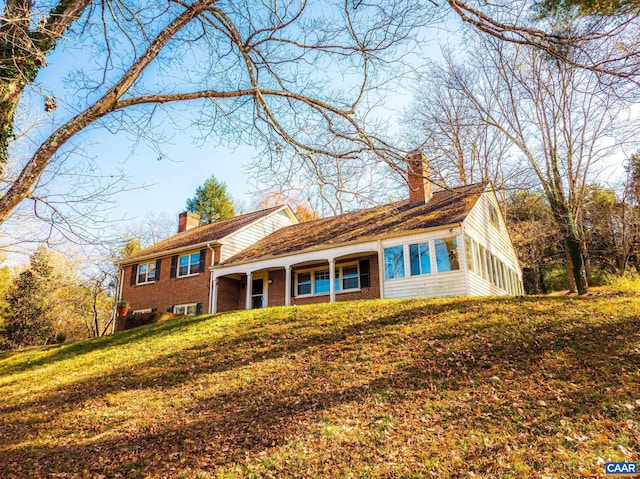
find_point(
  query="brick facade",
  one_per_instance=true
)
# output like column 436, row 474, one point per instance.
column 168, row 291
column 230, row 295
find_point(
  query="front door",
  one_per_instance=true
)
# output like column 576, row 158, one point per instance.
column 257, row 293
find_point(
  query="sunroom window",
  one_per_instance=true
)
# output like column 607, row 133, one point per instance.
column 394, row 262
column 420, row 260
column 446, row 254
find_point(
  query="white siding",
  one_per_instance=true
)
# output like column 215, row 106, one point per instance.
column 236, row 242
column 450, row 283
column 494, row 238
column 426, row 286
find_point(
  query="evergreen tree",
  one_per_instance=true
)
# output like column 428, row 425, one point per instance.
column 27, row 320
column 211, row 202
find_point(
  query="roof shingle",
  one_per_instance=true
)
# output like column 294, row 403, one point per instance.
column 445, row 208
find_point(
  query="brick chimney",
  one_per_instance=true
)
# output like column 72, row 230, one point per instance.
column 419, row 174
column 187, row 220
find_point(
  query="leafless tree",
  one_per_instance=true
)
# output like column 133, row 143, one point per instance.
column 329, row 184
column 274, row 73
column 561, row 118
column 461, row 147
column 578, row 33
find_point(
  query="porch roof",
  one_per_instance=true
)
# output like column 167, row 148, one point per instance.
column 445, row 208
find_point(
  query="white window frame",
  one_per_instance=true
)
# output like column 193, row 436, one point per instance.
column 190, row 264
column 186, row 307
column 338, row 275
column 420, row 272
column 142, row 311
column 146, row 278
column 406, row 264
column 494, row 216
column 456, row 249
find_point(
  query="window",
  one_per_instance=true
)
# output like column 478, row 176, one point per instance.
column 394, row 262
column 469, row 246
column 321, row 282
column 142, row 311
column 446, row 254
column 304, row 283
column 189, row 264
column 479, row 252
column 186, row 309
column 146, row 273
column 420, row 259
column 493, row 215
column 350, row 277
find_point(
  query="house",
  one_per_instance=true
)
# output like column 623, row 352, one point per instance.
column 444, row 243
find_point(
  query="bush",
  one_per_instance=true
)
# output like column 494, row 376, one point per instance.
column 60, row 337
column 556, row 278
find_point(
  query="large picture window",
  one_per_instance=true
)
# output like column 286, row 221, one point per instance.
column 189, row 264
column 146, row 273
column 420, row 259
column 394, row 262
column 446, row 254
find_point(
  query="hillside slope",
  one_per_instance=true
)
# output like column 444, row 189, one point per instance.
column 505, row 388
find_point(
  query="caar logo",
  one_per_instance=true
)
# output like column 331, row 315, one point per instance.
column 621, row 468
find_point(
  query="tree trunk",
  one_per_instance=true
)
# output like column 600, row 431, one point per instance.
column 10, row 92
column 575, row 252
column 585, row 257
column 569, row 230
column 570, row 275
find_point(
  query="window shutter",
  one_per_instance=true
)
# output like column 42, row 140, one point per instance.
column 170, row 309
column 203, row 260
column 134, row 273
column 174, row 266
column 293, row 284
column 199, row 308
column 158, row 263
column 365, row 278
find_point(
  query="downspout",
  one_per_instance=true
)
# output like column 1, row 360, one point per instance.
column 380, row 268
column 466, row 260
column 119, row 283
column 211, row 285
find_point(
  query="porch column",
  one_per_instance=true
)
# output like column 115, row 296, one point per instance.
column 287, row 285
column 213, row 301
column 247, row 304
column 332, row 280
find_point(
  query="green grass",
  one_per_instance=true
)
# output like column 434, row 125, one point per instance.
column 505, row 388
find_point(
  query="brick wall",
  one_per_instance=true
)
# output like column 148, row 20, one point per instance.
column 168, row 291
column 373, row 292
column 230, row 295
column 277, row 287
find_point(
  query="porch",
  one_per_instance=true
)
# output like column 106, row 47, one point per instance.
column 342, row 274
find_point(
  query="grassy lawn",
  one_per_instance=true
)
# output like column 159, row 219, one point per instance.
column 545, row 387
